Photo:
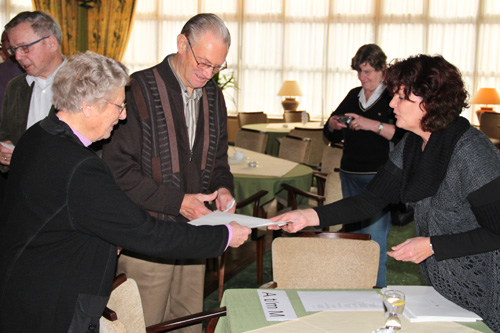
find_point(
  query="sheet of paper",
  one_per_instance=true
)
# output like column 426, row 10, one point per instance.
column 276, row 305
column 217, row 218
column 425, row 304
column 354, row 321
column 7, row 145
column 341, row 301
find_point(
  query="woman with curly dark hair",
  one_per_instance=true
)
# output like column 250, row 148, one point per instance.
column 450, row 173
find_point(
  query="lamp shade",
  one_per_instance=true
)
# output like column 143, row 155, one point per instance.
column 290, row 88
column 486, row 96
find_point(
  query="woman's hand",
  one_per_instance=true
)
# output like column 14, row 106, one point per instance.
column 415, row 250
column 334, row 124
column 361, row 123
column 297, row 220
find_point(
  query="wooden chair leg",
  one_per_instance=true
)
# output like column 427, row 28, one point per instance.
column 222, row 269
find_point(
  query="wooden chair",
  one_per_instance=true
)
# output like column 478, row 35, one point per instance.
column 245, row 118
column 488, row 124
column 251, row 140
column 294, row 116
column 256, row 236
column 294, row 148
column 124, row 312
column 325, row 261
column 318, row 143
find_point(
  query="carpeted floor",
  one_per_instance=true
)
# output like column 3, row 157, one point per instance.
column 398, row 273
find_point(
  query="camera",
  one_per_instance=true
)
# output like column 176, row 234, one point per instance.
column 345, row 119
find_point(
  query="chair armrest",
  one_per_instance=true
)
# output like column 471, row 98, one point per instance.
column 293, row 192
column 186, row 321
column 109, row 314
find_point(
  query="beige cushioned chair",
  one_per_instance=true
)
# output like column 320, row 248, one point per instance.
column 251, row 140
column 324, row 263
column 124, row 313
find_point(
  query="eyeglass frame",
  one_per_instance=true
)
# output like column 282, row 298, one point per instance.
column 121, row 107
column 207, row 66
column 24, row 49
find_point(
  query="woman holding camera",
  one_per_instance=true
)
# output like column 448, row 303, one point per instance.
column 365, row 122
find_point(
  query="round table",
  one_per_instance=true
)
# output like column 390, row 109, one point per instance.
column 246, row 185
column 278, row 130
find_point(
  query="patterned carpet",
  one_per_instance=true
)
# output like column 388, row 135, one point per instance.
column 398, row 273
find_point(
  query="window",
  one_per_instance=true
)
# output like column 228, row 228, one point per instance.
column 313, row 42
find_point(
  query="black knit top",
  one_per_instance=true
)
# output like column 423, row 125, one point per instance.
column 364, row 151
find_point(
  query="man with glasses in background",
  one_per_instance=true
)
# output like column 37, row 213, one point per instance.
column 35, row 42
column 170, row 157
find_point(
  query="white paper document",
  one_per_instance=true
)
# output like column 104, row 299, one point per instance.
column 218, row 217
column 425, row 304
column 276, row 305
column 341, row 301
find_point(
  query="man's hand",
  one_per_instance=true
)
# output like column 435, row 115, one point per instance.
column 300, row 219
column 240, row 234
column 193, row 205
column 415, row 250
column 223, row 199
column 6, row 153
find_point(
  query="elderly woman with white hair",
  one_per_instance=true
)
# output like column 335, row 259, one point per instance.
column 64, row 216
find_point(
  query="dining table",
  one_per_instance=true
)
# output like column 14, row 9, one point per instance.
column 246, row 313
column 278, row 130
column 256, row 171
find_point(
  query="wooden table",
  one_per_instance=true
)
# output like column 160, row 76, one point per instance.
column 278, row 130
column 244, row 313
column 269, row 174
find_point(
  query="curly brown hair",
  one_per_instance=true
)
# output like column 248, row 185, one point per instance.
column 437, row 82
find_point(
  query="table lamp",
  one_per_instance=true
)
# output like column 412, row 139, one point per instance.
column 290, row 89
column 485, row 96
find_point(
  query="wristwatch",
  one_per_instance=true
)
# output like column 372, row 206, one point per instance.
column 380, row 128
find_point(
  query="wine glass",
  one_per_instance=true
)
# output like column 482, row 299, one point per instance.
column 394, row 304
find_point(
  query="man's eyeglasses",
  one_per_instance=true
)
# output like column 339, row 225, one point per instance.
column 23, row 49
column 120, row 107
column 206, row 66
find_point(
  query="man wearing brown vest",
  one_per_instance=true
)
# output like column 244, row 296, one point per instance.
column 170, row 157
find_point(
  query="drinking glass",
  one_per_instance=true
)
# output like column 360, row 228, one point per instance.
column 394, row 304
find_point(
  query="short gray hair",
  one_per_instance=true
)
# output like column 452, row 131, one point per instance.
column 42, row 24
column 204, row 22
column 87, row 77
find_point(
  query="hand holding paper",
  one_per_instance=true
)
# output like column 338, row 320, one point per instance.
column 240, row 234
column 6, row 150
column 301, row 218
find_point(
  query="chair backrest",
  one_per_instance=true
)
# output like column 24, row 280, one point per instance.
column 251, row 140
column 318, row 142
column 125, row 301
column 333, row 188
column 245, row 118
column 488, row 124
column 324, row 263
column 330, row 158
column 294, row 149
column 294, row 116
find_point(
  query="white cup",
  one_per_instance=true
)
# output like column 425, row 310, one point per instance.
column 239, row 155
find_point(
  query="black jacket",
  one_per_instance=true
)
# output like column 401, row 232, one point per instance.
column 62, row 221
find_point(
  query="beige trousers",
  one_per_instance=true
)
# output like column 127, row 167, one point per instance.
column 169, row 289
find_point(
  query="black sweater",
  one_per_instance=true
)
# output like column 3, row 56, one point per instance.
column 62, row 221
column 364, row 151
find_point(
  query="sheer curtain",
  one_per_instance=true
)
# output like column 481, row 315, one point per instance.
column 313, row 42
